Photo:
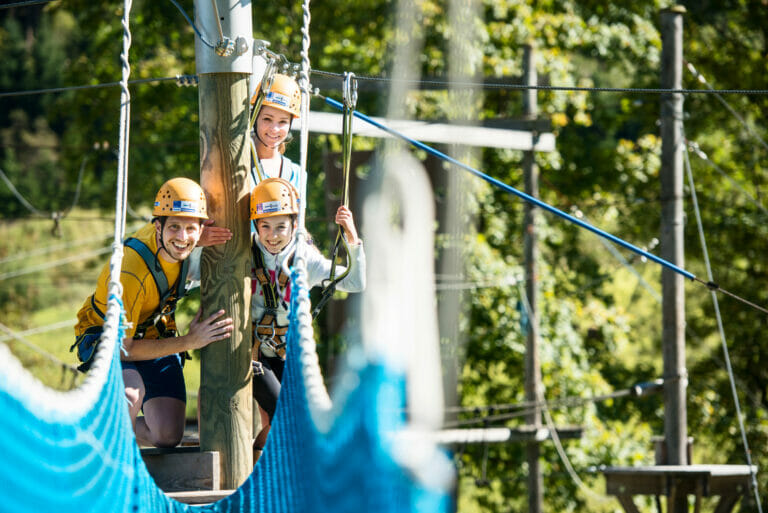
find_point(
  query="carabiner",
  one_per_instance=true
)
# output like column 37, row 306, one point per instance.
column 349, row 92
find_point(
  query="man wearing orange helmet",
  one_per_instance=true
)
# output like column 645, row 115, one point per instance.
column 153, row 276
column 274, row 207
column 280, row 106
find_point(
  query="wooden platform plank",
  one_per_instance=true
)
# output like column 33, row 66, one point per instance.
column 200, row 496
column 183, row 468
column 730, row 482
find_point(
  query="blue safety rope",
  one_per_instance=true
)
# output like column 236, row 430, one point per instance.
column 518, row 193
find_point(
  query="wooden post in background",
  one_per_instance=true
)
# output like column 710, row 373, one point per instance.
column 532, row 365
column 672, row 250
column 225, row 389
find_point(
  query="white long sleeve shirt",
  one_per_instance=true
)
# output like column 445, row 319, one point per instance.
column 318, row 269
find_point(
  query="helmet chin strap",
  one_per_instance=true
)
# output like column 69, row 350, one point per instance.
column 161, row 242
column 256, row 133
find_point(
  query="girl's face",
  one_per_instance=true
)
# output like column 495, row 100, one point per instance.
column 275, row 232
column 180, row 236
column 272, row 126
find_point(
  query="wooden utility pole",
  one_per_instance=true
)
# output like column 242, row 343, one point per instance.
column 673, row 293
column 674, row 475
column 225, row 390
column 532, row 365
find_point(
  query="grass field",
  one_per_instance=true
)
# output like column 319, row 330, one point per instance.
column 44, row 279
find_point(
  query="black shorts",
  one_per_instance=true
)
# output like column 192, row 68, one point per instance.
column 266, row 385
column 163, row 377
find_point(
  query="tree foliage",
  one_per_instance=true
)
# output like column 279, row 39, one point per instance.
column 600, row 317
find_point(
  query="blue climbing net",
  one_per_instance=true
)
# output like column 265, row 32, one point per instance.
column 76, row 451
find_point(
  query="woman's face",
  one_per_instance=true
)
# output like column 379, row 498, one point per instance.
column 272, row 126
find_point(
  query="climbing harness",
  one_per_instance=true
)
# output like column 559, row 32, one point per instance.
column 271, row 197
column 269, row 334
column 88, row 342
column 178, row 197
column 169, row 296
column 350, row 100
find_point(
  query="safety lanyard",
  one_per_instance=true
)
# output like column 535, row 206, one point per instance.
column 266, row 83
column 350, row 100
column 257, row 172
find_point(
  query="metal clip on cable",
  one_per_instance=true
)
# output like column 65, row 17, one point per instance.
column 350, row 90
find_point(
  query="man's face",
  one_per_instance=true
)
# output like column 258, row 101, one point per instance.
column 179, row 236
column 275, row 232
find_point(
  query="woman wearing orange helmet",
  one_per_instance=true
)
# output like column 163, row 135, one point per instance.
column 153, row 276
column 274, row 207
column 280, row 106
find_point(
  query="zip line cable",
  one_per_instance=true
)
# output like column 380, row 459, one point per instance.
column 525, row 87
column 24, row 4
column 721, row 331
column 539, row 394
column 55, row 263
column 181, row 80
column 56, row 216
column 545, row 206
column 19, row 197
column 188, row 80
column 525, row 407
column 194, row 27
column 42, row 329
column 60, row 216
column 15, row 336
column 728, row 107
column 61, row 246
column 696, row 149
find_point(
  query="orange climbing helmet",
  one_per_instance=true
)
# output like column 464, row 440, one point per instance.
column 180, row 197
column 283, row 94
column 274, row 197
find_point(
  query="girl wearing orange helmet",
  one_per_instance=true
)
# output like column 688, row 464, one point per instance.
column 274, row 207
column 280, row 106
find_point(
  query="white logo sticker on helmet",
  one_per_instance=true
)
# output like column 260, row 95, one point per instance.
column 184, row 206
column 277, row 99
column 268, row 207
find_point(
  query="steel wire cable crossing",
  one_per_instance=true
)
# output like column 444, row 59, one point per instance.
column 546, row 206
column 191, row 80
